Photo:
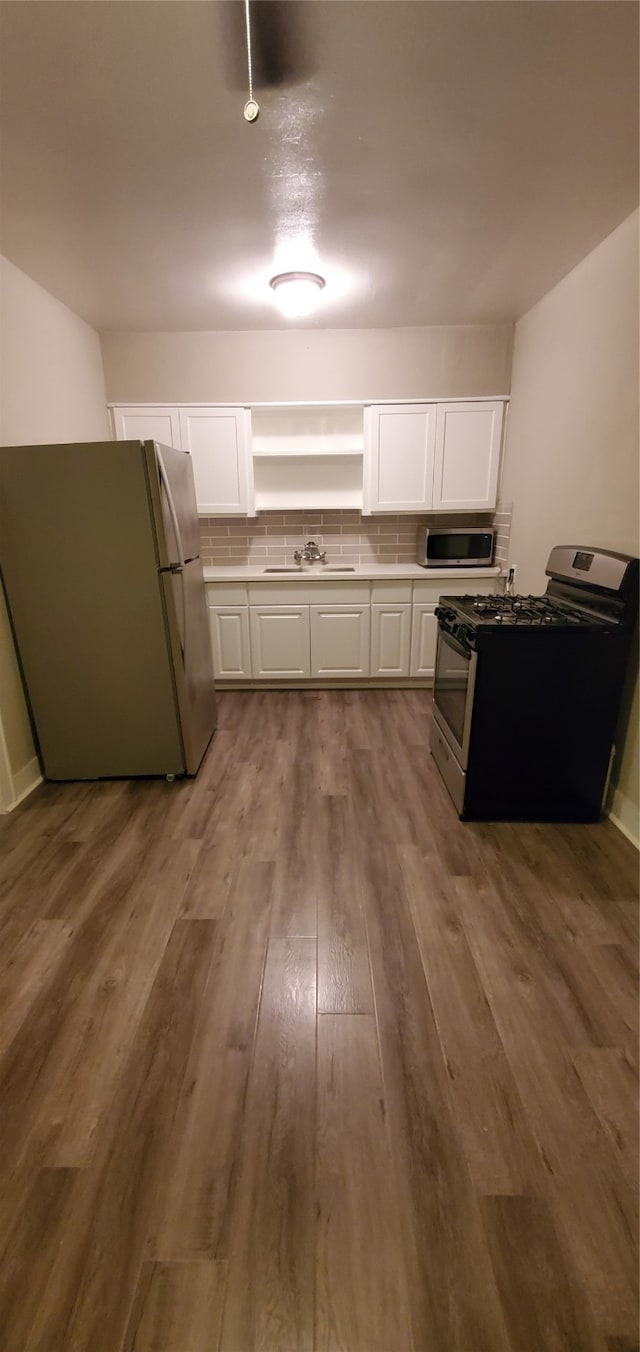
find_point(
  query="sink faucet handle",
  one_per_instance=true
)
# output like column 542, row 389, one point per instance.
column 297, row 554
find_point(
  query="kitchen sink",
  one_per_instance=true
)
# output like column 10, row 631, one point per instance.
column 303, row 572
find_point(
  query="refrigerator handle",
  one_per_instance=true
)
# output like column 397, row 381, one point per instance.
column 170, row 503
column 175, row 567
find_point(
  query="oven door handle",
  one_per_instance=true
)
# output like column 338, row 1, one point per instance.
column 455, row 644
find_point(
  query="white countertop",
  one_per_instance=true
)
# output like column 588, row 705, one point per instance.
column 255, row 572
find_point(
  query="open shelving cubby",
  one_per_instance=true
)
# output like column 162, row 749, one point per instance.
column 307, row 456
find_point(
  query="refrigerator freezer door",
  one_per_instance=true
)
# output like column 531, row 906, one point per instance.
column 173, row 497
column 188, row 624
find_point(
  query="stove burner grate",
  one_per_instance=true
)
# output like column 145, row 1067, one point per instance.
column 524, row 610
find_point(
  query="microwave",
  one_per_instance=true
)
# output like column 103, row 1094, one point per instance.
column 460, row 547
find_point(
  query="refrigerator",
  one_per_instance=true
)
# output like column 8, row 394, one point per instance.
column 99, row 555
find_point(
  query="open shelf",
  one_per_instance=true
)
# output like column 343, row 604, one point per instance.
column 310, row 430
column 287, row 481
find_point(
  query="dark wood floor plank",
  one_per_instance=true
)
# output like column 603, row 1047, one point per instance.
column 27, row 972
column 23, row 903
column 225, row 842
column 28, row 1250
column 497, row 962
column 63, row 1067
column 344, row 979
column 270, row 1294
column 454, row 1301
column 544, row 1310
column 113, row 1001
column 272, row 802
column 591, row 1203
column 102, row 1231
column 329, row 758
column 361, row 1300
column 611, row 1084
column 545, row 960
column 194, row 1210
column 177, row 1308
column 499, row 1148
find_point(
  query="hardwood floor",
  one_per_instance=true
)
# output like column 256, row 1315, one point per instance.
column 292, row 1060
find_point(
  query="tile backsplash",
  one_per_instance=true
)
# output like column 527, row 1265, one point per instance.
column 343, row 534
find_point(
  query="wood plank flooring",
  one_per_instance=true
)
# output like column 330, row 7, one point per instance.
column 292, row 1060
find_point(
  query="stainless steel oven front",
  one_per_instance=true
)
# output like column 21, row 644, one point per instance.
column 454, row 684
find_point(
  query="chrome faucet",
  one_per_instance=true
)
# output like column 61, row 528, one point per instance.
column 310, row 553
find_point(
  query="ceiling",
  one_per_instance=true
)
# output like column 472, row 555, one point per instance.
column 439, row 162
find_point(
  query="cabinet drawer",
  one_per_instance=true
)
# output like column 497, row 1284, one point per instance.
column 309, row 592
column 391, row 590
column 226, row 593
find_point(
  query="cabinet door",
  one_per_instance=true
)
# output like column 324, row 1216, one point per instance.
column 148, row 424
column 399, row 457
column 279, row 641
column 424, row 635
column 390, row 639
column 230, row 642
column 340, row 640
column 467, row 456
column 218, row 440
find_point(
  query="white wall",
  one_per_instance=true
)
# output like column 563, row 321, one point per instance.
column 571, row 460
column 307, row 365
column 51, row 389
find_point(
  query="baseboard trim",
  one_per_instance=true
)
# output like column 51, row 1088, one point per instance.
column 25, row 781
column 617, row 821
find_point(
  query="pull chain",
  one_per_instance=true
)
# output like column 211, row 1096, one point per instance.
column 251, row 108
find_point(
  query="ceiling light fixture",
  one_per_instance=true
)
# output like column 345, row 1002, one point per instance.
column 297, row 293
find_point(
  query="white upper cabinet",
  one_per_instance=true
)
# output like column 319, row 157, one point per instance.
column 432, row 457
column 399, row 457
column 467, row 458
column 148, row 424
column 218, row 439
column 420, row 457
column 219, row 442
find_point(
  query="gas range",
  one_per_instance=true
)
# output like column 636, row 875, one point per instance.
column 527, row 690
column 465, row 616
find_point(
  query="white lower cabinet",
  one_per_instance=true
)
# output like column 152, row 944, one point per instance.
column 279, row 641
column 386, row 629
column 340, row 640
column 424, row 636
column 230, row 642
column 390, row 638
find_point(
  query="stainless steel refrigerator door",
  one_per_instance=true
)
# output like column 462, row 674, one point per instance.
column 188, row 623
column 78, row 555
column 174, row 502
column 175, row 512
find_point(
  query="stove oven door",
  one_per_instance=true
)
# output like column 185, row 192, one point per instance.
column 453, row 692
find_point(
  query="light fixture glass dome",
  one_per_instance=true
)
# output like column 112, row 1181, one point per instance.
column 297, row 293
